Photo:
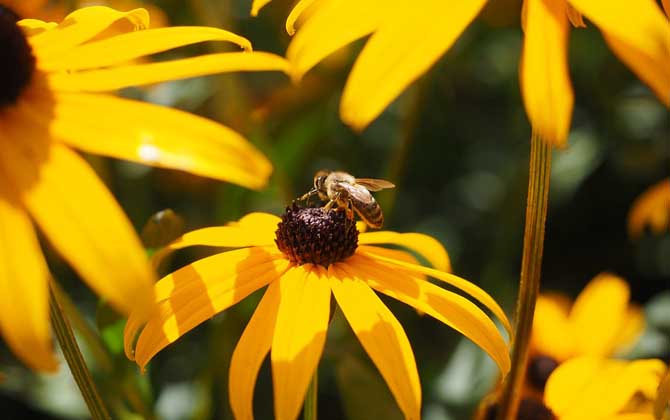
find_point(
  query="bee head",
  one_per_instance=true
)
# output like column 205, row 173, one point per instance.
column 320, row 180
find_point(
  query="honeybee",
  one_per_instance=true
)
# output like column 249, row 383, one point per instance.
column 348, row 192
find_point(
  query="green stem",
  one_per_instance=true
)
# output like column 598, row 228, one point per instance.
column 310, row 406
column 74, row 359
column 529, row 283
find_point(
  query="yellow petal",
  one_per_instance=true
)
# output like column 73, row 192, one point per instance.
column 254, row 229
column 598, row 314
column 198, row 291
column 651, row 208
column 424, row 245
column 471, row 289
column 639, row 35
column 81, row 219
column 545, row 82
column 300, row 333
column 143, row 74
column 575, row 17
column 129, row 46
column 666, row 7
column 596, row 388
column 408, row 42
column 249, row 353
column 552, row 333
column 382, row 337
column 33, row 27
column 297, row 10
column 24, row 293
column 335, row 24
column 395, row 254
column 157, row 136
column 630, row 329
column 83, row 25
column 451, row 309
column 663, row 397
column 257, row 5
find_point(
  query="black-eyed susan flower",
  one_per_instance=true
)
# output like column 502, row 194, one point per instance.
column 409, row 37
column 652, row 209
column 51, row 102
column 304, row 258
column 595, row 388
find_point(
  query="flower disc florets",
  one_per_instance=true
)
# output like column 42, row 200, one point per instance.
column 312, row 235
column 16, row 56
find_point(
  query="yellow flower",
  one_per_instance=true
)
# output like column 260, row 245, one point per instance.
column 49, row 105
column 409, row 37
column 601, row 322
column 639, row 36
column 302, row 258
column 651, row 208
column 594, row 388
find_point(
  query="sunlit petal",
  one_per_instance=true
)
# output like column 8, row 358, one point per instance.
column 407, row 43
column 324, row 32
column 155, row 135
column 143, row 74
column 545, row 82
column 129, row 46
column 382, row 337
column 33, row 27
column 24, row 302
column 257, row 5
column 640, row 37
column 92, row 234
column 452, row 309
column 199, row 291
column 81, row 26
column 552, row 332
column 295, row 14
column 598, row 314
column 250, row 352
column 651, row 208
column 455, row 281
column 300, row 334
column 396, row 254
column 426, row 246
column 595, row 388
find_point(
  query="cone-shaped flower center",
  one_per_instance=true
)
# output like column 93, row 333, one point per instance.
column 312, row 235
column 18, row 62
column 529, row 409
column 539, row 370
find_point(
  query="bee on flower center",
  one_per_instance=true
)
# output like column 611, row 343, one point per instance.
column 351, row 194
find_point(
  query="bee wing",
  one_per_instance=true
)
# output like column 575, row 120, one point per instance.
column 374, row 184
column 358, row 192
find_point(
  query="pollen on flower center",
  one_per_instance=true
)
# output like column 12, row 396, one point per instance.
column 16, row 56
column 312, row 235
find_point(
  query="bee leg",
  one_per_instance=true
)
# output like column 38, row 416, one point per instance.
column 349, row 210
column 329, row 205
column 309, row 194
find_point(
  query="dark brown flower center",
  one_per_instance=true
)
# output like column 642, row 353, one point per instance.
column 16, row 56
column 539, row 370
column 529, row 409
column 312, row 235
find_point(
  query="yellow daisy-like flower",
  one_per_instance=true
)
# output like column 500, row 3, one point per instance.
column 409, row 37
column 303, row 258
column 651, row 208
column 594, row 388
column 51, row 81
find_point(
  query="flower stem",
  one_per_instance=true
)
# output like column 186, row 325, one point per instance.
column 74, row 359
column 529, row 283
column 310, row 406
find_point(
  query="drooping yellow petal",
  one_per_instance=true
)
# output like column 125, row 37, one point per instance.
column 651, row 208
column 552, row 332
column 598, row 315
column 639, row 35
column 576, row 18
column 335, row 24
column 129, row 46
column 594, row 388
column 471, row 289
column 157, row 136
column 408, row 42
column 662, row 402
column 33, row 27
column 545, row 82
column 395, row 254
column 198, row 291
column 382, row 337
column 300, row 334
column 443, row 305
column 24, row 279
column 426, row 246
column 249, row 353
column 257, row 5
column 666, row 7
column 84, row 223
column 143, row 74
column 296, row 12
column 80, row 26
